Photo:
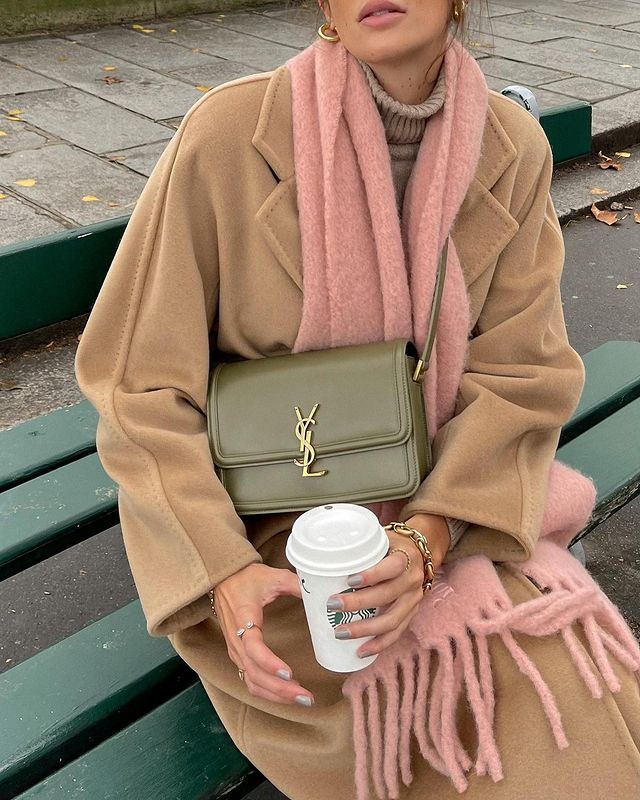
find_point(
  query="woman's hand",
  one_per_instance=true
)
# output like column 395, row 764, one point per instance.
column 390, row 584
column 240, row 598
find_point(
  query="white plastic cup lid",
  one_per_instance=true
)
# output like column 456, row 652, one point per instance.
column 336, row 539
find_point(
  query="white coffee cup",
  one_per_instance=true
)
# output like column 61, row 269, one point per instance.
column 326, row 545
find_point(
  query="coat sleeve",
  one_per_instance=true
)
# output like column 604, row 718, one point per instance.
column 521, row 383
column 143, row 362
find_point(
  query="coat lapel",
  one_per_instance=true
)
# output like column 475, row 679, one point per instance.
column 278, row 215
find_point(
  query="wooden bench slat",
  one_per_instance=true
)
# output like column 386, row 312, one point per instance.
column 612, row 380
column 47, row 442
column 179, row 751
column 610, row 454
column 68, row 269
column 64, row 700
column 54, row 511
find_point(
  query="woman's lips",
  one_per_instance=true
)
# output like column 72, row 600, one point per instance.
column 379, row 20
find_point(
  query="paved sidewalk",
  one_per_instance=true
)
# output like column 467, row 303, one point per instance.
column 84, row 115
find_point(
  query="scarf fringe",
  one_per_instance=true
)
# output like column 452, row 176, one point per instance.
column 422, row 701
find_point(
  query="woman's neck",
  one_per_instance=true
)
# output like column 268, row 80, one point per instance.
column 408, row 84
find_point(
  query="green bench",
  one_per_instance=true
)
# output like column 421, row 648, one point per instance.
column 111, row 712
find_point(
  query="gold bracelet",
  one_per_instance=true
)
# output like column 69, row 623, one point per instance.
column 421, row 542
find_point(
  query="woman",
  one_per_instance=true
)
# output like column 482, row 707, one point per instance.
column 211, row 266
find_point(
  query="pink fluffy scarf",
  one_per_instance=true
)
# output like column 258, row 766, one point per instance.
column 369, row 277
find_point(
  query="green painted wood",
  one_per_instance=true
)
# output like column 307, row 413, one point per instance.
column 55, row 277
column 66, row 699
column 612, row 380
column 54, row 511
column 180, row 751
column 47, row 442
column 610, row 454
column 568, row 129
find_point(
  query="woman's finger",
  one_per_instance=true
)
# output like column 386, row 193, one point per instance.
column 382, row 622
column 391, row 566
column 371, row 597
column 380, row 643
column 267, row 669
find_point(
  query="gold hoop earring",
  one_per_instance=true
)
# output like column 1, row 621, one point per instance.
column 458, row 12
column 322, row 32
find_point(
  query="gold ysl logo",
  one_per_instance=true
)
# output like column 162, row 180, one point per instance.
column 304, row 435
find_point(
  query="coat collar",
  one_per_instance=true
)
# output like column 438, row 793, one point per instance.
column 278, row 214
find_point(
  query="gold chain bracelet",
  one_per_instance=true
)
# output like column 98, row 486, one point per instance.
column 421, row 542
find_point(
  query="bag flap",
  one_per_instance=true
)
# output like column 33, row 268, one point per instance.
column 348, row 399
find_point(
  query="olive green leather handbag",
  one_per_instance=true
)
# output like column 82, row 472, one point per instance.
column 345, row 424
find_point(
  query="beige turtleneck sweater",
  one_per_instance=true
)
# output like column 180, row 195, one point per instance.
column 404, row 127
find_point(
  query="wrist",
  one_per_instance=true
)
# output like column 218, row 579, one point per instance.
column 436, row 530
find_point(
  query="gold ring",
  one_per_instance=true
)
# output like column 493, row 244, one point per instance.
column 404, row 553
column 241, row 674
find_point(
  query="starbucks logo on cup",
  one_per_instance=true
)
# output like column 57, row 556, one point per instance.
column 345, row 617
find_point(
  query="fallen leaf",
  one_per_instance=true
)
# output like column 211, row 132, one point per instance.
column 89, row 198
column 624, row 155
column 610, row 165
column 597, row 190
column 137, row 27
column 4, row 196
column 592, row 50
column 109, row 79
column 109, row 68
column 113, row 205
column 203, row 88
column 626, row 66
column 608, row 217
column 636, row 216
column 147, row 30
column 8, row 385
column 173, row 30
column 3, row 133
column 27, row 182
column 117, row 158
column 14, row 112
column 622, row 286
column 14, row 119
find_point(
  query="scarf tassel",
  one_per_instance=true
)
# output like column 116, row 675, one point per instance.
column 422, row 700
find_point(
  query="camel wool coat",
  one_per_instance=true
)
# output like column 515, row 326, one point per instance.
column 210, row 268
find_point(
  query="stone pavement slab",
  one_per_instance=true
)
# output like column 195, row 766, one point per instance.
column 218, row 41
column 64, row 175
column 274, row 30
column 147, row 92
column 140, row 159
column 142, row 49
column 16, row 136
column 85, row 120
column 217, row 71
column 20, row 221
column 15, row 79
column 585, row 89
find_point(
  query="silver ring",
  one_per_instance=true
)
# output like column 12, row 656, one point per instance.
column 247, row 626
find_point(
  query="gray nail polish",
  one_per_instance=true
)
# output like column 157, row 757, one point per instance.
column 334, row 604
column 364, row 655
column 342, row 634
column 284, row 674
column 304, row 700
column 355, row 580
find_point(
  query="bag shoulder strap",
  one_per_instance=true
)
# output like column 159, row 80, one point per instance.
column 423, row 361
